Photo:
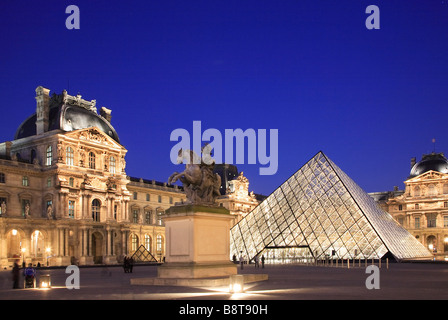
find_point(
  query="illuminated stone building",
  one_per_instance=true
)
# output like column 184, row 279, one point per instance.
column 237, row 199
column 64, row 194
column 422, row 208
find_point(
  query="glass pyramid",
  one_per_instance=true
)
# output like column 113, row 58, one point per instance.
column 320, row 213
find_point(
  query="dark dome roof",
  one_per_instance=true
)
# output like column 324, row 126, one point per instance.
column 433, row 161
column 67, row 117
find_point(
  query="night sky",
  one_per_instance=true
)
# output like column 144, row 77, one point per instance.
column 369, row 99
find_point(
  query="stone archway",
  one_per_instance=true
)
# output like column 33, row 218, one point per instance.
column 97, row 247
column 431, row 243
column 14, row 240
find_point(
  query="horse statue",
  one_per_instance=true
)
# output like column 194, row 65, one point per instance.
column 201, row 185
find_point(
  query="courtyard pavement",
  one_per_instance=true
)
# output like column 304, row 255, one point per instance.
column 400, row 281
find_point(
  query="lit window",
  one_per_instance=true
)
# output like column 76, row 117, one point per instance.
column 69, row 156
column 148, row 242
column 112, row 165
column 432, row 220
column 71, row 182
column 135, row 216
column 49, row 158
column 48, row 182
column 148, row 217
column 92, row 160
column 96, row 205
column 134, row 242
column 71, row 209
column 25, row 181
column 159, row 244
column 417, row 222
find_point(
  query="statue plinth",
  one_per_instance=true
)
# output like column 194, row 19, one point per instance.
column 197, row 242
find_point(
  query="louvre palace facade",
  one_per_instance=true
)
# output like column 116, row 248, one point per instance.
column 65, row 197
column 422, row 207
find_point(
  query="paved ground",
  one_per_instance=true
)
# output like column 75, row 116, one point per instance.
column 402, row 281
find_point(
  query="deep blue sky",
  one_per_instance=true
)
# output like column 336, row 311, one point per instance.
column 369, row 99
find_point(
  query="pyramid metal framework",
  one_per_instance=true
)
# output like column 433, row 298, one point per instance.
column 143, row 255
column 319, row 213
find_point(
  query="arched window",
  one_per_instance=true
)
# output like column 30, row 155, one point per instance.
column 69, row 156
column 112, row 164
column 92, row 160
column 37, row 244
column 148, row 242
column 96, row 205
column 49, row 157
column 134, row 242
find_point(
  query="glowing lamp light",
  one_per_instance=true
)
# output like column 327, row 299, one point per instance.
column 45, row 281
column 236, row 283
column 14, row 232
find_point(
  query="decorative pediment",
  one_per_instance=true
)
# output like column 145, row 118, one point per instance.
column 429, row 175
column 93, row 134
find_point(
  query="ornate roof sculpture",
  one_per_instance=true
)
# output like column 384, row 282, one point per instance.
column 320, row 210
column 67, row 113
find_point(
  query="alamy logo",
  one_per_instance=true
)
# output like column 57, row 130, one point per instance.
column 72, row 281
column 234, row 140
column 72, row 21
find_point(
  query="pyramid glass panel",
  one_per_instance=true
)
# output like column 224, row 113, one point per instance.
column 319, row 212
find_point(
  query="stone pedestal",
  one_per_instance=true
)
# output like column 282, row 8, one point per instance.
column 197, row 243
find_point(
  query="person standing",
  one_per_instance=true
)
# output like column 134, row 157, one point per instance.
column 262, row 262
column 15, row 275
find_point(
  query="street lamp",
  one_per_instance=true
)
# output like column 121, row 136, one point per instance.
column 236, row 283
column 45, row 281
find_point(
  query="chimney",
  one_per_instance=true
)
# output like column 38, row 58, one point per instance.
column 413, row 160
column 42, row 109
